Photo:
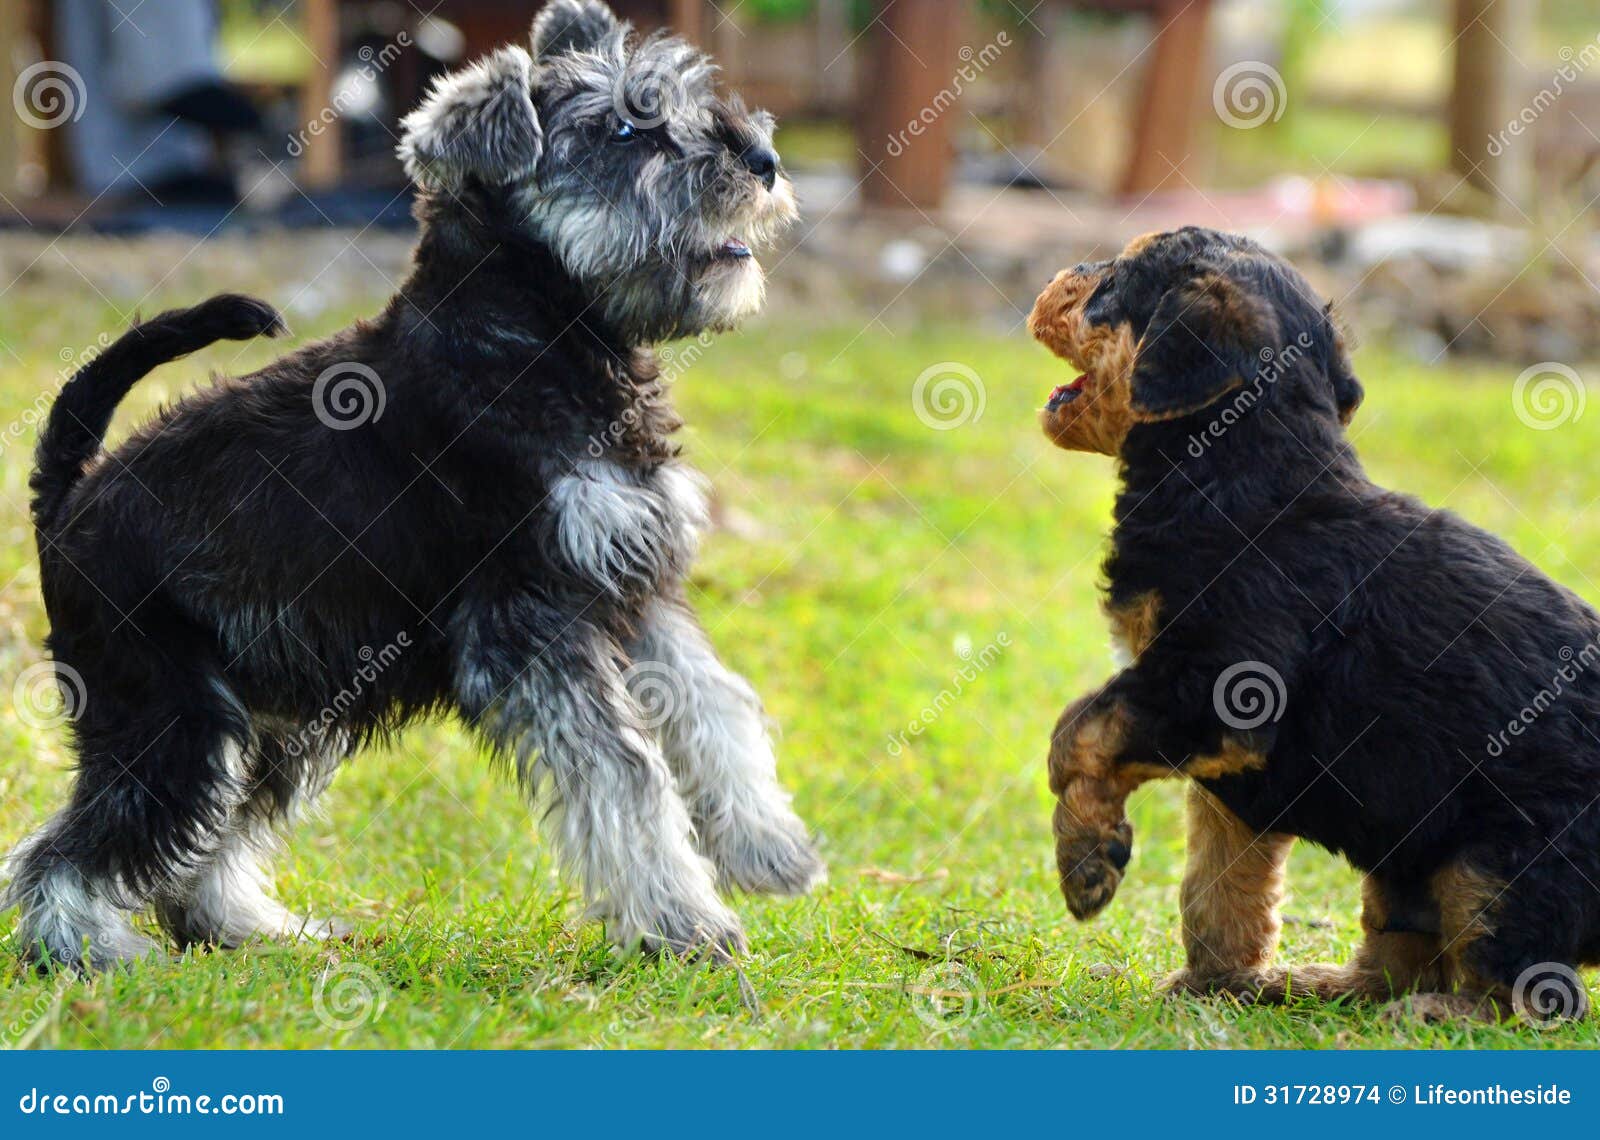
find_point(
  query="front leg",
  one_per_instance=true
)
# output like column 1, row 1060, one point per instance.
column 1094, row 840
column 1102, row 749
column 546, row 687
column 714, row 733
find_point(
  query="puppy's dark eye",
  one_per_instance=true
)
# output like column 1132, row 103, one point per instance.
column 623, row 131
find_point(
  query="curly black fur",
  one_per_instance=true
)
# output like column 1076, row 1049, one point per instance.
column 1408, row 641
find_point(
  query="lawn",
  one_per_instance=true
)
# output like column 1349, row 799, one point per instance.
column 874, row 568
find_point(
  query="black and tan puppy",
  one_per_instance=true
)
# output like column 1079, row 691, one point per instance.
column 1324, row 658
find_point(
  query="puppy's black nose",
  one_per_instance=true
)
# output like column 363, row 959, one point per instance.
column 762, row 161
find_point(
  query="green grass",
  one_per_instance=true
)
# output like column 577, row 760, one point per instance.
column 870, row 549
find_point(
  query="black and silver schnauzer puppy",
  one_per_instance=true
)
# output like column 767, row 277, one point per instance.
column 482, row 479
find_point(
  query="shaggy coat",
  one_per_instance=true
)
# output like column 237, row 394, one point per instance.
column 1327, row 659
column 472, row 503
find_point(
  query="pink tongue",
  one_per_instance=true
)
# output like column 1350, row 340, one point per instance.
column 1062, row 389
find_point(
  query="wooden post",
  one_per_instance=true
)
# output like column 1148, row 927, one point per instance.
column 1164, row 132
column 1487, row 95
column 323, row 161
column 906, row 107
column 13, row 26
column 687, row 18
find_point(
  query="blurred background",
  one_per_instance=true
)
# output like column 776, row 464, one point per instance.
column 1435, row 161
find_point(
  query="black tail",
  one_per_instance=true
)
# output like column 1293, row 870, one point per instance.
column 82, row 412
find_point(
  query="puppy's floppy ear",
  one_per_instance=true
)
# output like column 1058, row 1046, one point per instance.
column 570, row 25
column 1202, row 343
column 478, row 122
column 1347, row 390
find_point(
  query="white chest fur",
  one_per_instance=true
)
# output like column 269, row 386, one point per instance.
column 627, row 530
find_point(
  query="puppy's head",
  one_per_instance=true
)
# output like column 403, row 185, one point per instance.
column 616, row 152
column 1174, row 323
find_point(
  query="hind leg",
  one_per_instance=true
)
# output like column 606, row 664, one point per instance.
column 159, row 775
column 229, row 901
column 1511, row 942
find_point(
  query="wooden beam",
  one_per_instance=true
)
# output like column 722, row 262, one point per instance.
column 688, row 19
column 1486, row 96
column 906, row 107
column 1163, row 137
column 323, row 161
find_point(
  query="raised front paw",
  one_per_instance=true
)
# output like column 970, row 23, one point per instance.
column 1090, row 862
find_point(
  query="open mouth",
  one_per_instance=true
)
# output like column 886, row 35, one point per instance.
column 1064, row 394
column 732, row 250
